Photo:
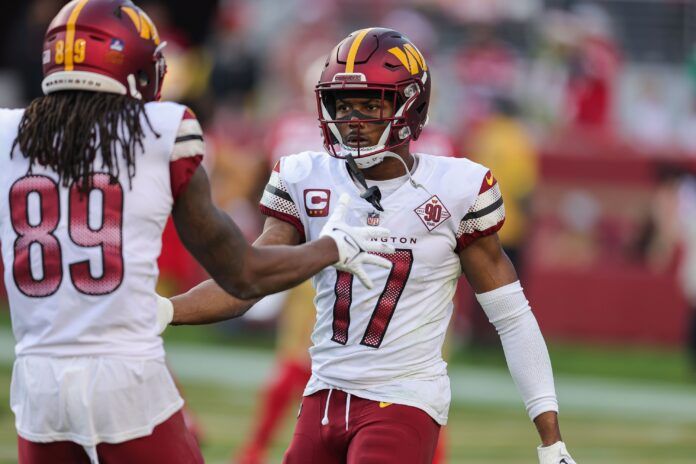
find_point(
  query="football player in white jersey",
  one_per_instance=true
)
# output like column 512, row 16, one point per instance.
column 379, row 390
column 91, row 171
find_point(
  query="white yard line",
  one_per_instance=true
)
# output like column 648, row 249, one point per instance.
column 470, row 385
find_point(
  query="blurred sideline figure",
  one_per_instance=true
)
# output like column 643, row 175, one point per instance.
column 501, row 143
column 91, row 172
column 673, row 236
column 379, row 390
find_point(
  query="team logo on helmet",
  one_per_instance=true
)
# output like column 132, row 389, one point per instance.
column 142, row 23
column 410, row 57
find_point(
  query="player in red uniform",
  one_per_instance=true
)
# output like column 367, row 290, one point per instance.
column 379, row 390
column 90, row 172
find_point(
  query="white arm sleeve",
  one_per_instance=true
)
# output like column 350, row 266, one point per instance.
column 525, row 350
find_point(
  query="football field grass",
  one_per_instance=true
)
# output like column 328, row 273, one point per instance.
column 613, row 420
column 475, row 434
column 619, row 415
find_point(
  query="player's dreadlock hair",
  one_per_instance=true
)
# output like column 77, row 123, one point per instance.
column 65, row 131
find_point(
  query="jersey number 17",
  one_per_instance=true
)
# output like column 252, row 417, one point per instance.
column 402, row 261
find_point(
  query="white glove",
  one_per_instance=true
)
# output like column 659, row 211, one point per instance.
column 554, row 454
column 354, row 243
column 165, row 313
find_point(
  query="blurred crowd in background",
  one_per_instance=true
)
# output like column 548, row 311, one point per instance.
column 585, row 112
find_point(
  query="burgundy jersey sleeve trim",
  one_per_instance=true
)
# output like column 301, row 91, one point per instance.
column 293, row 221
column 187, row 153
column 277, row 202
column 466, row 240
column 181, row 171
column 485, row 217
column 189, row 140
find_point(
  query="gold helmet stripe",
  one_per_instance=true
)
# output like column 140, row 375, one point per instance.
column 353, row 52
column 70, row 34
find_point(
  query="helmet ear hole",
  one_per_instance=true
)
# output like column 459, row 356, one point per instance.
column 143, row 78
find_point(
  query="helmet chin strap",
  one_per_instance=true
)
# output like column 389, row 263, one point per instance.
column 371, row 194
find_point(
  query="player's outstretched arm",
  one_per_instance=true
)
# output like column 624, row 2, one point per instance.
column 207, row 302
column 250, row 272
column 241, row 270
column 493, row 278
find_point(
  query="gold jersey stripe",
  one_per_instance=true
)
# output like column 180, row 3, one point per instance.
column 353, row 52
column 70, row 34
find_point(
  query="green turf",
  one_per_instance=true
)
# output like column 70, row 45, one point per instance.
column 8, row 437
column 475, row 435
column 606, row 361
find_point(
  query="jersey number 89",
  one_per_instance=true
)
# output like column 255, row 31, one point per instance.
column 39, row 233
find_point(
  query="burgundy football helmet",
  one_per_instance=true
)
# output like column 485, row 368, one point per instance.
column 103, row 46
column 375, row 62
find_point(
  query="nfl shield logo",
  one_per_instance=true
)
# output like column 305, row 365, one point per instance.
column 116, row 45
column 373, row 219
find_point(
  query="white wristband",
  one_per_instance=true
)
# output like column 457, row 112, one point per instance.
column 165, row 313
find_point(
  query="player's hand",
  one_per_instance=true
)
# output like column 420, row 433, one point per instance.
column 555, row 454
column 355, row 243
column 165, row 313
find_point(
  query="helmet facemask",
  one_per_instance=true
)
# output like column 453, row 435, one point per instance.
column 396, row 131
column 160, row 70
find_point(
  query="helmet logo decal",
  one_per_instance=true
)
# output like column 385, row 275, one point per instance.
column 410, row 57
column 143, row 24
column 78, row 56
column 116, row 45
column 349, row 78
column 353, row 52
column 70, row 36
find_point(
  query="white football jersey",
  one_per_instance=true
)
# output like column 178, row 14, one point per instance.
column 385, row 343
column 80, row 273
